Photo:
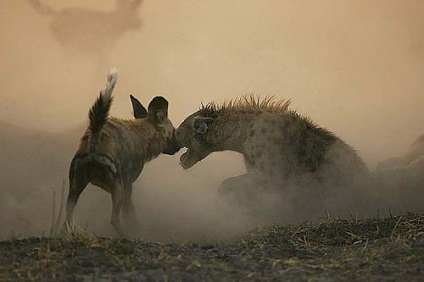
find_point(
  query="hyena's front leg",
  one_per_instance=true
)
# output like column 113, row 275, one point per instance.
column 241, row 190
column 251, row 195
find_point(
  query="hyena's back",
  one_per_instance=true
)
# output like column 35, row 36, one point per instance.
column 286, row 147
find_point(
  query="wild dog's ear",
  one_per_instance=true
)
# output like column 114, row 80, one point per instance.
column 158, row 109
column 201, row 124
column 138, row 109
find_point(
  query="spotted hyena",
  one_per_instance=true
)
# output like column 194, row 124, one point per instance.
column 281, row 148
column 113, row 151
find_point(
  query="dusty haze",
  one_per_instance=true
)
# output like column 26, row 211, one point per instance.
column 355, row 67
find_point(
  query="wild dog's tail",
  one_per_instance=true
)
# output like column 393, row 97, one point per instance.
column 99, row 112
column 41, row 8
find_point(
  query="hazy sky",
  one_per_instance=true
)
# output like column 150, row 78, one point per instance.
column 355, row 67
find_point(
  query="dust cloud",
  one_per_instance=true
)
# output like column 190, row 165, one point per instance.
column 354, row 67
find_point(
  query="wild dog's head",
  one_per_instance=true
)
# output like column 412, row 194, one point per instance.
column 157, row 112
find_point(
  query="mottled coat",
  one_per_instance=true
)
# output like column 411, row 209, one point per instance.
column 280, row 147
column 113, row 151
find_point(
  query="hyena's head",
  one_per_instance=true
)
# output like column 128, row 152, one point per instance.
column 192, row 134
column 157, row 112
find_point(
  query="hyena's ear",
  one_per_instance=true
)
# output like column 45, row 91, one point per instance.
column 158, row 109
column 138, row 109
column 201, row 124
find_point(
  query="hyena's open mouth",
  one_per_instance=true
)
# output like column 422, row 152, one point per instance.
column 189, row 159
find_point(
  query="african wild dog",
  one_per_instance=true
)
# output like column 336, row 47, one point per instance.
column 113, row 151
column 281, row 148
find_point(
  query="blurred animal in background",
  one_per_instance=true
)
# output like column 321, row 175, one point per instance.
column 113, row 151
column 284, row 152
column 401, row 179
column 89, row 32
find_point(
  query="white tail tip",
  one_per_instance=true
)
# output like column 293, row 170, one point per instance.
column 112, row 77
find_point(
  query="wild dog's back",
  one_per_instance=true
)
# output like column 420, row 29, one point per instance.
column 90, row 148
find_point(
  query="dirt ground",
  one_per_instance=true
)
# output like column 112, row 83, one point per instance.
column 376, row 249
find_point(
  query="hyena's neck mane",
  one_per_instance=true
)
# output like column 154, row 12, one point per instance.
column 233, row 119
column 249, row 106
column 246, row 104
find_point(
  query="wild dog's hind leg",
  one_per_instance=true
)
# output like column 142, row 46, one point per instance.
column 77, row 184
column 117, row 192
column 128, row 206
column 128, row 209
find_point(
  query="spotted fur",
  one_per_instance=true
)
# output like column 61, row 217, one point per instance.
column 281, row 148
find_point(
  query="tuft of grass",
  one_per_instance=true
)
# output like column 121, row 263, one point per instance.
column 73, row 233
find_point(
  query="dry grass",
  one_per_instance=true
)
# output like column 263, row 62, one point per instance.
column 390, row 248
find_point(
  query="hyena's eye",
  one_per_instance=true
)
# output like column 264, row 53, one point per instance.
column 198, row 137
